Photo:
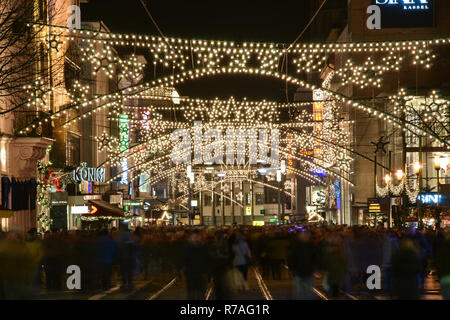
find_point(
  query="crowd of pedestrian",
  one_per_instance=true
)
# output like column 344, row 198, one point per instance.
column 31, row 264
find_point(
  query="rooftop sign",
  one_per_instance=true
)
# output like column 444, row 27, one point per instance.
column 404, row 13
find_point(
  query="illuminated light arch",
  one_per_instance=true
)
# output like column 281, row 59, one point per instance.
column 274, row 50
column 200, row 73
column 138, row 40
column 332, row 143
column 281, row 150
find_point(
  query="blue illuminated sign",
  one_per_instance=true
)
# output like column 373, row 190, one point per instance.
column 429, row 198
column 337, row 193
column 319, row 172
column 406, row 4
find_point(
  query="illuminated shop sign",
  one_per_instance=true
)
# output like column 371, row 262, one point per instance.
column 79, row 209
column 406, row 13
column 318, row 97
column 319, row 172
column 378, row 205
column 406, row 4
column 133, row 203
column 124, row 143
column 85, row 173
column 429, row 198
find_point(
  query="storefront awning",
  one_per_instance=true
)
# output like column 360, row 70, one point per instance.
column 102, row 209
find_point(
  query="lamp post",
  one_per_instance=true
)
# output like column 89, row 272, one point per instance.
column 387, row 180
column 437, row 166
column 191, row 177
column 279, row 194
column 417, row 171
column 400, row 174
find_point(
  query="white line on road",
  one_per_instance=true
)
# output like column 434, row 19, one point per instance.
column 262, row 285
column 209, row 292
column 350, row 296
column 101, row 295
column 167, row 286
column 320, row 294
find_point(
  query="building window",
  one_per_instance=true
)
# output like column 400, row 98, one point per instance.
column 248, row 198
column 42, row 9
column 271, row 194
column 207, row 200
column 218, row 199
column 259, row 198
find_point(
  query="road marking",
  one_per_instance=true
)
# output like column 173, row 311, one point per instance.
column 104, row 293
column 167, row 286
column 320, row 294
column 350, row 296
column 262, row 285
column 209, row 292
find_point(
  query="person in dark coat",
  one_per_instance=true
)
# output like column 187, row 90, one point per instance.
column 106, row 253
column 196, row 264
column 335, row 263
column 128, row 255
column 443, row 267
column 302, row 263
column 221, row 258
column 406, row 267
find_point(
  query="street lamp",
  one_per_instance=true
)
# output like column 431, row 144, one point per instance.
column 387, row 180
column 279, row 194
column 417, row 168
column 191, row 177
column 417, row 171
column 437, row 166
column 399, row 174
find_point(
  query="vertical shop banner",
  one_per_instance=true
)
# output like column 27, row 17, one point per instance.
column 124, row 144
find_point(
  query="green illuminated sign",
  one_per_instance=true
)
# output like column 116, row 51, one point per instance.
column 124, row 138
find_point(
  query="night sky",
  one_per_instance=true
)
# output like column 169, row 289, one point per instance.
column 272, row 21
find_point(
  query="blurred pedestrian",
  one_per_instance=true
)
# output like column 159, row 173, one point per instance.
column 302, row 262
column 406, row 267
column 196, row 263
column 335, row 263
column 106, row 253
column 242, row 255
column 127, row 255
column 221, row 259
column 443, row 267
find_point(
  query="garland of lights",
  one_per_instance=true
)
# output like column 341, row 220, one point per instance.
column 43, row 193
column 396, row 190
column 183, row 60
